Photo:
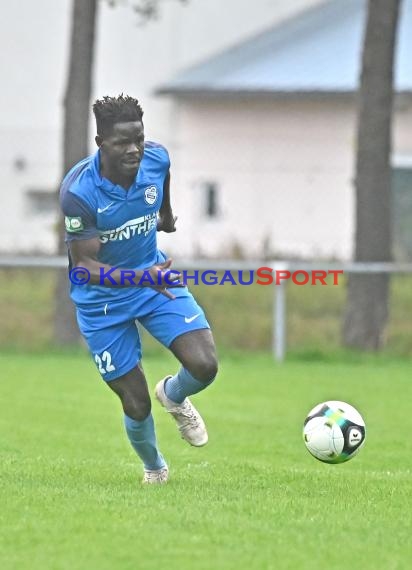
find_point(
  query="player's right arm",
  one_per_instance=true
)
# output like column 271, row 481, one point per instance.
column 84, row 246
column 84, row 254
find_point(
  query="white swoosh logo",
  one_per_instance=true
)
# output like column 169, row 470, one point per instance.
column 190, row 319
column 100, row 210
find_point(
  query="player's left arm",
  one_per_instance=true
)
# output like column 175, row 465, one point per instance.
column 167, row 220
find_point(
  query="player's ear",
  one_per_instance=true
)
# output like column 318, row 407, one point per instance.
column 99, row 140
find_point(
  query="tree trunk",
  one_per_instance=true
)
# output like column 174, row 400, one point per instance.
column 75, row 143
column 368, row 295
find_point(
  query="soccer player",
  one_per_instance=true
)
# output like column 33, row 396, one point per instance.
column 114, row 202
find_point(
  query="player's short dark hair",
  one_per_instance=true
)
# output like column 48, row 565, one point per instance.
column 111, row 110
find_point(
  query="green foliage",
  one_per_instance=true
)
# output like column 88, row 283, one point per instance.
column 253, row 499
column 241, row 316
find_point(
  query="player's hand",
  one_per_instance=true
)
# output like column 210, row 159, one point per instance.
column 160, row 274
column 166, row 223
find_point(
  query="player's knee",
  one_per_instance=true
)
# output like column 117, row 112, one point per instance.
column 137, row 409
column 204, row 368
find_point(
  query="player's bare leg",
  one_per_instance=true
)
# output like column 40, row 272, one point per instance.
column 134, row 395
column 197, row 354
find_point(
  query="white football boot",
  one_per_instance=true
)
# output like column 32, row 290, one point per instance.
column 156, row 476
column 190, row 423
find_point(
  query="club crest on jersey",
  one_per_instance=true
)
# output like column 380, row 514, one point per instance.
column 150, row 195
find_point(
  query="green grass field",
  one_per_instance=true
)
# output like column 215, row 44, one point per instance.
column 71, row 497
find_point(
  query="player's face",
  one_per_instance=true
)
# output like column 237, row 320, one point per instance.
column 122, row 150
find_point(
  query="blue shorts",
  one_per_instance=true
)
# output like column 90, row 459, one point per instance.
column 111, row 333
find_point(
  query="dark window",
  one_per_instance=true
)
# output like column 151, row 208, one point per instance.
column 402, row 213
column 211, row 200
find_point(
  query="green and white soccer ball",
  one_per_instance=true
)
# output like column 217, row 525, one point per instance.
column 334, row 432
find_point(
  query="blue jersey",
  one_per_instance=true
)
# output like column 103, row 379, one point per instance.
column 124, row 221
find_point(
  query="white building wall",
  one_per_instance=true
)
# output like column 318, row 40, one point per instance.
column 285, row 172
column 34, row 41
column 22, row 227
column 402, row 132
